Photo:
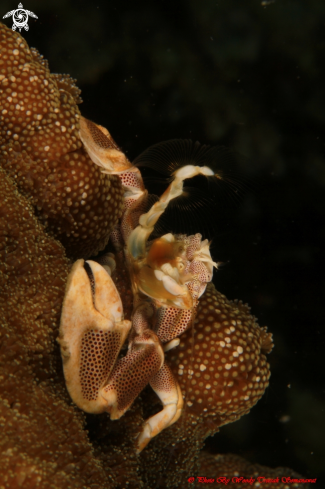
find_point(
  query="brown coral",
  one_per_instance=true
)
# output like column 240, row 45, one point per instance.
column 41, row 431
column 41, row 148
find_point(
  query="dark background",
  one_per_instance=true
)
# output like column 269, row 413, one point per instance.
column 250, row 77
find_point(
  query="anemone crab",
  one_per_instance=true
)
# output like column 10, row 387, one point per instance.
column 168, row 275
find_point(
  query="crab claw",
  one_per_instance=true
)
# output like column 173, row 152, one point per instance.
column 101, row 147
column 92, row 332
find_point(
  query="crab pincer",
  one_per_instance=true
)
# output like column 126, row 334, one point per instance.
column 92, row 333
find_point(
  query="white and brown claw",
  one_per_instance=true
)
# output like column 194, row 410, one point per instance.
column 92, row 333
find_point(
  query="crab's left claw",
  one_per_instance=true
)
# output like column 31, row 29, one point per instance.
column 92, row 332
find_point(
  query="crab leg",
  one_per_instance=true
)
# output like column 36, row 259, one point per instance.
column 169, row 392
column 132, row 373
column 105, row 153
column 92, row 332
column 172, row 322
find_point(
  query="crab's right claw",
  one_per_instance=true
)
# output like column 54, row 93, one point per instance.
column 92, row 332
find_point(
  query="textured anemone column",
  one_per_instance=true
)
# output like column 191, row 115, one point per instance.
column 221, row 365
column 42, row 151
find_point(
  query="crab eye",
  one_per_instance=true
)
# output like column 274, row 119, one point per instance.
column 180, row 266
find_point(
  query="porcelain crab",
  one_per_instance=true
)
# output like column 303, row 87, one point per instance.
column 168, row 276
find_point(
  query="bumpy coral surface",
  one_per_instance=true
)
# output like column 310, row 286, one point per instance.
column 44, row 441
column 42, row 438
column 41, row 149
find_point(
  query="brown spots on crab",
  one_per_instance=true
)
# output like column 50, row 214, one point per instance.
column 42, row 151
column 97, row 348
column 133, row 372
column 172, row 322
column 221, row 366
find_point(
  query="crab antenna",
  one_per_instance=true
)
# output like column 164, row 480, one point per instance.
column 139, row 236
